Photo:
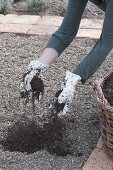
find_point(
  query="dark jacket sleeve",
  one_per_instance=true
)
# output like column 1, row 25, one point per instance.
column 69, row 27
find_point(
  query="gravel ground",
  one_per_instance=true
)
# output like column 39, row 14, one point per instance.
column 81, row 123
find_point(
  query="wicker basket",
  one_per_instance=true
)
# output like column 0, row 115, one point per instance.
column 106, row 117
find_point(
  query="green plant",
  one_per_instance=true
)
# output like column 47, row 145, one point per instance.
column 36, row 5
column 5, row 6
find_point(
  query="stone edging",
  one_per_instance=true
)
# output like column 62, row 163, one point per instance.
column 46, row 25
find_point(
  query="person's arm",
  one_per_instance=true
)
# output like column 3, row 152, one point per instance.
column 55, row 46
column 32, row 85
column 91, row 62
column 48, row 56
column 65, row 34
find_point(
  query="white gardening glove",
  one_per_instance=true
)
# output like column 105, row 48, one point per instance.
column 32, row 85
column 64, row 96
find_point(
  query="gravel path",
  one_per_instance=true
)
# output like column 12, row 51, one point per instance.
column 82, row 122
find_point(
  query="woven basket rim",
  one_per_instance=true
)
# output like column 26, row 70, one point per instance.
column 99, row 93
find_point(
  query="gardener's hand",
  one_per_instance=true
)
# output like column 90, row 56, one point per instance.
column 32, row 85
column 64, row 96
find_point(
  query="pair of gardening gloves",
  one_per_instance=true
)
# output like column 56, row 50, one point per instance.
column 32, row 87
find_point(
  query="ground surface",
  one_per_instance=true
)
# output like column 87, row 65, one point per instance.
column 81, row 124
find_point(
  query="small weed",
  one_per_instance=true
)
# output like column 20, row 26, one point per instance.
column 5, row 6
column 36, row 5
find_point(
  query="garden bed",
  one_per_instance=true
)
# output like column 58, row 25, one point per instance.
column 65, row 144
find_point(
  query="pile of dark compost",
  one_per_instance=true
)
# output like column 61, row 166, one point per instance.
column 108, row 89
column 27, row 136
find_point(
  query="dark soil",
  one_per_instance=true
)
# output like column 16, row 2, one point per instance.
column 55, row 106
column 27, row 136
column 37, row 87
column 108, row 89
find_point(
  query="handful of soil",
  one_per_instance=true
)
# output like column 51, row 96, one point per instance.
column 108, row 89
column 57, row 107
column 37, row 86
column 37, row 89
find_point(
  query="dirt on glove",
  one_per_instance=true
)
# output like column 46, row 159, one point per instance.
column 37, row 86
